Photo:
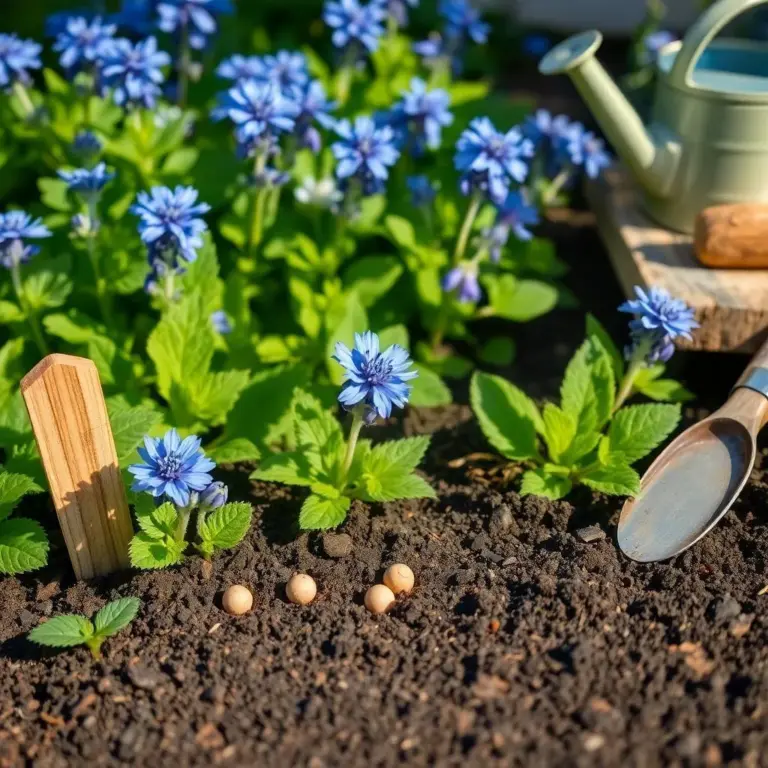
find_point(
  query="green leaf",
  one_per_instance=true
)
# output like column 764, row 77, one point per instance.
column 53, row 193
column 23, row 546
column 428, row 389
column 617, row 479
column 465, row 91
column 319, row 513
column 596, row 331
column 386, row 471
column 150, row 553
column 129, row 425
column 507, row 416
column 318, row 435
column 63, row 632
column 225, row 527
column 234, row 451
column 498, row 351
column 648, row 383
column 354, row 320
column 116, row 616
column 216, row 394
column 157, row 522
column 538, row 482
column 372, row 277
column 559, row 430
column 10, row 313
column 12, row 489
column 286, row 468
column 48, row 285
column 401, row 231
column 520, row 300
column 637, row 429
column 589, row 387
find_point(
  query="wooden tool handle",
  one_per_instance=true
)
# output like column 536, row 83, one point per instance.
column 733, row 236
column 69, row 418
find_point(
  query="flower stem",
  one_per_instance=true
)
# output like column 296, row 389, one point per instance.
column 466, row 228
column 346, row 73
column 183, row 69
column 169, row 288
column 354, row 435
column 102, row 291
column 258, row 203
column 636, row 364
column 555, row 187
column 31, row 317
column 184, row 514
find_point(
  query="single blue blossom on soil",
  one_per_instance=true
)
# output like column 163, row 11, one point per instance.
column 490, row 160
column 17, row 57
column 536, row 46
column 288, row 71
column 172, row 467
column 16, row 228
column 374, row 378
column 87, row 147
column 355, row 23
column 137, row 16
column 424, row 113
column 364, row 153
column 87, row 182
column 314, row 107
column 653, row 43
column 84, row 44
column 323, row 193
column 220, row 322
column 195, row 18
column 463, row 280
column 422, row 191
column 134, row 72
column 238, row 67
column 462, row 20
column 170, row 223
column 214, row 496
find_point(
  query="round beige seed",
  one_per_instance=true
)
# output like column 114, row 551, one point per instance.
column 301, row 589
column 399, row 578
column 237, row 600
column 379, row 598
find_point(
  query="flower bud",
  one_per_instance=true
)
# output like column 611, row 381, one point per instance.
column 214, row 496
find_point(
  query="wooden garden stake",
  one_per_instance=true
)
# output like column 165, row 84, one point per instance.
column 69, row 418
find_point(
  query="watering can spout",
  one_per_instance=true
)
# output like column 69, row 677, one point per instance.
column 653, row 156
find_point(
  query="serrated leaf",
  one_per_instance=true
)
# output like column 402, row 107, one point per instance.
column 538, row 482
column 589, row 387
column 520, row 300
column 240, row 449
column 507, row 416
column 116, row 615
column 637, row 429
column 225, row 527
column 559, row 430
column 616, row 479
column 428, row 390
column 581, row 448
column 596, row 331
column 63, row 632
column 318, row 435
column 149, row 553
column 129, row 425
column 286, row 468
column 215, row 394
column 318, row 513
column 157, row 522
column 387, row 471
column 23, row 546
column 648, row 382
column 401, row 231
column 372, row 277
column 12, row 489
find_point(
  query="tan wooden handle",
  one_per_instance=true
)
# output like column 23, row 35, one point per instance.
column 69, row 418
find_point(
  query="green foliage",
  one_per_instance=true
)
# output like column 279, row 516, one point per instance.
column 23, row 542
column 70, row 630
column 589, row 438
column 223, row 528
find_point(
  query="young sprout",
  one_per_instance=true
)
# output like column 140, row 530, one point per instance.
column 72, row 629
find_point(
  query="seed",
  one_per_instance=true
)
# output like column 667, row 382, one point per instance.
column 237, row 600
column 379, row 598
column 399, row 578
column 301, row 589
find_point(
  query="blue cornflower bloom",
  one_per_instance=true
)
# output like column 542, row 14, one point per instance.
column 514, row 216
column 593, row 155
column 135, row 16
column 463, row 280
column 134, row 73
column 56, row 23
column 374, row 378
column 87, row 147
column 364, row 153
column 172, row 467
column 430, row 49
column 462, row 20
column 490, row 160
column 84, row 44
column 657, row 311
column 214, row 496
column 220, row 322
column 170, row 223
column 197, row 17
column 16, row 57
column 422, row 191
column 355, row 23
column 16, row 227
column 425, row 113
column 87, row 182
column 314, row 106
column 238, row 67
column 288, row 71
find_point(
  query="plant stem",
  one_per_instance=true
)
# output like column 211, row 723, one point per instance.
column 258, row 202
column 183, row 69
column 102, row 292
column 346, row 73
column 354, row 435
column 31, row 317
column 184, row 514
column 555, row 187
column 23, row 96
column 636, row 364
column 466, row 228
column 169, row 288
column 94, row 645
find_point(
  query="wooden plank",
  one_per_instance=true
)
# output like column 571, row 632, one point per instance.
column 731, row 305
column 69, row 418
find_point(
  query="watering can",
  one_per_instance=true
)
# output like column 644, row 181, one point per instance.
column 707, row 141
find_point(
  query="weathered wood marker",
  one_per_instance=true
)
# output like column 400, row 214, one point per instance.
column 69, row 417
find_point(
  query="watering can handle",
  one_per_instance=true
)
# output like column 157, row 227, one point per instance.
column 701, row 34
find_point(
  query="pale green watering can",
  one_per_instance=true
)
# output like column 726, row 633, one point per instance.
column 707, row 143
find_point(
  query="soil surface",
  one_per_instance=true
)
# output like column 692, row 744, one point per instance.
column 521, row 644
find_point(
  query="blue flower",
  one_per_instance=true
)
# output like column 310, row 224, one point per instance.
column 134, row 73
column 374, row 378
column 170, row 223
column 463, row 280
column 136, row 16
column 430, row 49
column 172, row 467
column 462, row 20
column 16, row 227
column 536, row 46
column 288, row 71
column 657, row 311
column 258, row 110
column 354, row 23
column 364, row 153
column 220, row 322
column 422, row 191
column 314, row 106
column 516, row 213
column 84, row 44
column 425, row 112
column 87, row 147
column 653, row 43
column 16, row 57
column 238, row 67
column 270, row 178
column 214, row 496
column 591, row 153
column 490, row 160
column 87, row 182
column 194, row 16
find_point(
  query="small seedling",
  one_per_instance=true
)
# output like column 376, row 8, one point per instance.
column 72, row 629
column 301, row 589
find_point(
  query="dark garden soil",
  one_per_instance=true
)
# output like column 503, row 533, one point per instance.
column 522, row 643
